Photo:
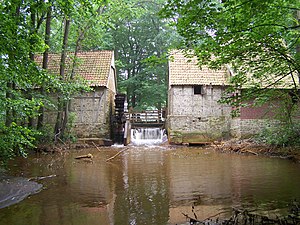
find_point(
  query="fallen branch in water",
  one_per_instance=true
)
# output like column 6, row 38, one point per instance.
column 42, row 178
column 248, row 151
column 213, row 216
column 250, row 217
column 88, row 156
column 114, row 156
column 96, row 146
column 191, row 220
column 218, row 145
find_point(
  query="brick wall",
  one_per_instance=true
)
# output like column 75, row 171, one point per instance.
column 266, row 111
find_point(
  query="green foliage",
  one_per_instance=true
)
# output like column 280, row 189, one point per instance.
column 15, row 140
column 259, row 40
column 45, row 135
column 141, row 40
column 88, row 22
column 70, row 136
column 22, row 25
column 281, row 136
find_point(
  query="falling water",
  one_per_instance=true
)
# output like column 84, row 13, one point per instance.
column 148, row 136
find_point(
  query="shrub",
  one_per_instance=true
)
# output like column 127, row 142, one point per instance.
column 15, row 140
column 284, row 135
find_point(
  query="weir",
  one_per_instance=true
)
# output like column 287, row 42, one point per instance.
column 148, row 136
column 137, row 127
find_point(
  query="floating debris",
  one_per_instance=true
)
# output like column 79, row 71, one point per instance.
column 88, row 156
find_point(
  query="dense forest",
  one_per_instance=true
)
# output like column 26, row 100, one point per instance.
column 261, row 38
column 133, row 29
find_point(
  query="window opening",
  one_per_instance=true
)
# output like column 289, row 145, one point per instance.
column 199, row 90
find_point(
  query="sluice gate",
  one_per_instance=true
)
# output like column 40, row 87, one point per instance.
column 137, row 126
column 147, row 118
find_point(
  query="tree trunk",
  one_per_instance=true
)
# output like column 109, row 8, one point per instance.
column 64, row 49
column 298, row 45
column 45, row 64
column 31, row 56
column 62, row 114
column 133, row 99
column 9, row 112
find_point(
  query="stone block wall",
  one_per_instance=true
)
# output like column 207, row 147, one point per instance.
column 197, row 118
column 214, row 128
column 200, row 118
column 89, row 114
column 183, row 101
column 195, row 130
column 245, row 128
column 235, row 125
column 92, row 114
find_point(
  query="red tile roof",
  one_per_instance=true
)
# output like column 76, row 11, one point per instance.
column 93, row 66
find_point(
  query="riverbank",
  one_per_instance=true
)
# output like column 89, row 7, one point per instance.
column 234, row 146
column 251, row 147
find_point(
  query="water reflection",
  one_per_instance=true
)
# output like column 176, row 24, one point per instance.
column 143, row 198
column 149, row 186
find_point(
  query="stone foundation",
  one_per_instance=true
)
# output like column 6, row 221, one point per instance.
column 189, row 130
column 245, row 128
column 196, row 130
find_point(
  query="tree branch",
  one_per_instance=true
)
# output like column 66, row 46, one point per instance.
column 237, row 6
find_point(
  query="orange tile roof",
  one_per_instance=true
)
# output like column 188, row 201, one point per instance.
column 185, row 71
column 93, row 66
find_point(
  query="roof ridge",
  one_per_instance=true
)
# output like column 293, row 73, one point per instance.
column 39, row 53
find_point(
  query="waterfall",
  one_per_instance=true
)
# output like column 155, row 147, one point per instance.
column 148, row 136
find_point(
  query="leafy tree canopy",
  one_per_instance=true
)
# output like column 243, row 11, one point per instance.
column 22, row 28
column 28, row 27
column 141, row 40
column 260, row 38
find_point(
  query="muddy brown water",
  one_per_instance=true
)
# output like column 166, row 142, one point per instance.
column 149, row 185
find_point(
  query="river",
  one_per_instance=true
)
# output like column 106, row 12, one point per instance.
column 148, row 185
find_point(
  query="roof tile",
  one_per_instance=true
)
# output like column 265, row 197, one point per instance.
column 93, row 66
column 185, row 71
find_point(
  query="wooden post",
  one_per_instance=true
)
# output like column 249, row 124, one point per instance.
column 146, row 116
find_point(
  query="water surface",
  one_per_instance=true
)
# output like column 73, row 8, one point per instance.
column 149, row 185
